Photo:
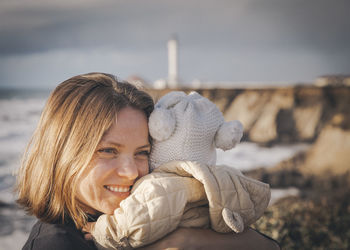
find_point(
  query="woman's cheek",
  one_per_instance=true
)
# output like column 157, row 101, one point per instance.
column 144, row 168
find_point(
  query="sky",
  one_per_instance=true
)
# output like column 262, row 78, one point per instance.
column 43, row 43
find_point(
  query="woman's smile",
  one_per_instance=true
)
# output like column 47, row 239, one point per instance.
column 118, row 189
column 121, row 192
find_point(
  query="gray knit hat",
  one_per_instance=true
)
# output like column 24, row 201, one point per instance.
column 189, row 127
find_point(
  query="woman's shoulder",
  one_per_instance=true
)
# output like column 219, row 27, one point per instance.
column 56, row 236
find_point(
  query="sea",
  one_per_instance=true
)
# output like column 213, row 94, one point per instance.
column 20, row 110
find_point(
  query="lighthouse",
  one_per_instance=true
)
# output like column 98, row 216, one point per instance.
column 172, row 63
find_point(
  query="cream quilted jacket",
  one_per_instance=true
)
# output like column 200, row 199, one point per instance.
column 187, row 194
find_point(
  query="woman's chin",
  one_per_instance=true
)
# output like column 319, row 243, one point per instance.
column 109, row 209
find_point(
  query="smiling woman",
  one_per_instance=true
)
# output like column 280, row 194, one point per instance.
column 89, row 148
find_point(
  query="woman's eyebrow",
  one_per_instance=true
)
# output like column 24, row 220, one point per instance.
column 111, row 143
column 147, row 146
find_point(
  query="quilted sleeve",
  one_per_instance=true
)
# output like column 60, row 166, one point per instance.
column 153, row 209
column 235, row 201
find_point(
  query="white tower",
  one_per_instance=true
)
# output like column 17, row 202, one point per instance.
column 172, row 63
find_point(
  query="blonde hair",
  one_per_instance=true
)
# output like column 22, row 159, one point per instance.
column 77, row 114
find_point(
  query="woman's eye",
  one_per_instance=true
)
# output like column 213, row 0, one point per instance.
column 145, row 153
column 109, row 152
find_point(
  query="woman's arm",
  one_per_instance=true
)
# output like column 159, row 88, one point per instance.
column 190, row 238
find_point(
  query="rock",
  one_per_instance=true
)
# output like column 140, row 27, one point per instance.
column 282, row 176
column 247, row 107
column 306, row 121
column 3, row 204
column 330, row 153
column 265, row 128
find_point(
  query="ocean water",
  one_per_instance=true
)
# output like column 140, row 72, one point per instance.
column 19, row 114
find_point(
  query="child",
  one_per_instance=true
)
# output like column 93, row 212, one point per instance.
column 185, row 188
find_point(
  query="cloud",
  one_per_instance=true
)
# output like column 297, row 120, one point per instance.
column 219, row 39
column 47, row 69
column 316, row 24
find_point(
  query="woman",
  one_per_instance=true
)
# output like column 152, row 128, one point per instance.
column 90, row 146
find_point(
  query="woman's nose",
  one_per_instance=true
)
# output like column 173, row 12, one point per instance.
column 128, row 168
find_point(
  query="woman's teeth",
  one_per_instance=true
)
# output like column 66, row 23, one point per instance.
column 118, row 189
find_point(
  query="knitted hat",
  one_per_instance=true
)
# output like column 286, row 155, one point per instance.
column 189, row 127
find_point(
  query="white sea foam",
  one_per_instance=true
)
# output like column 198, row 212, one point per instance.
column 279, row 193
column 247, row 155
column 18, row 118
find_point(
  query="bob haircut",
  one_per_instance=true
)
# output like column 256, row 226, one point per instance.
column 76, row 116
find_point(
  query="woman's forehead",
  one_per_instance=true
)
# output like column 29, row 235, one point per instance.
column 130, row 125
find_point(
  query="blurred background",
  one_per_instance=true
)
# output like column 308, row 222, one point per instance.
column 280, row 67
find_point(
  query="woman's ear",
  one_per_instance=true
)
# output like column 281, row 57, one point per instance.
column 228, row 135
column 161, row 124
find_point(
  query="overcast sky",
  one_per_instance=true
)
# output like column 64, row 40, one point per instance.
column 45, row 42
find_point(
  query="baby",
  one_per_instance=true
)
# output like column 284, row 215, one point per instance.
column 185, row 188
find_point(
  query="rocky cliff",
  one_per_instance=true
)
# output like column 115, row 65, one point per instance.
column 319, row 115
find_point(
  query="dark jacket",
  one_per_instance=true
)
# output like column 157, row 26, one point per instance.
column 57, row 237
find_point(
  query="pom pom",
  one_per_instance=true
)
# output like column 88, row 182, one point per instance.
column 161, row 124
column 171, row 99
column 228, row 135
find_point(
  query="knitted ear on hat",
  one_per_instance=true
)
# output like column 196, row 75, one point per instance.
column 170, row 99
column 228, row 135
column 161, row 124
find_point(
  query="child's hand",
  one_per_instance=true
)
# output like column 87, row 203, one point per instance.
column 87, row 230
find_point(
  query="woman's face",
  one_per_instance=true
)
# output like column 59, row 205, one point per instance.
column 120, row 158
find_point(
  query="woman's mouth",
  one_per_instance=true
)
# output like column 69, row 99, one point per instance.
column 118, row 189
